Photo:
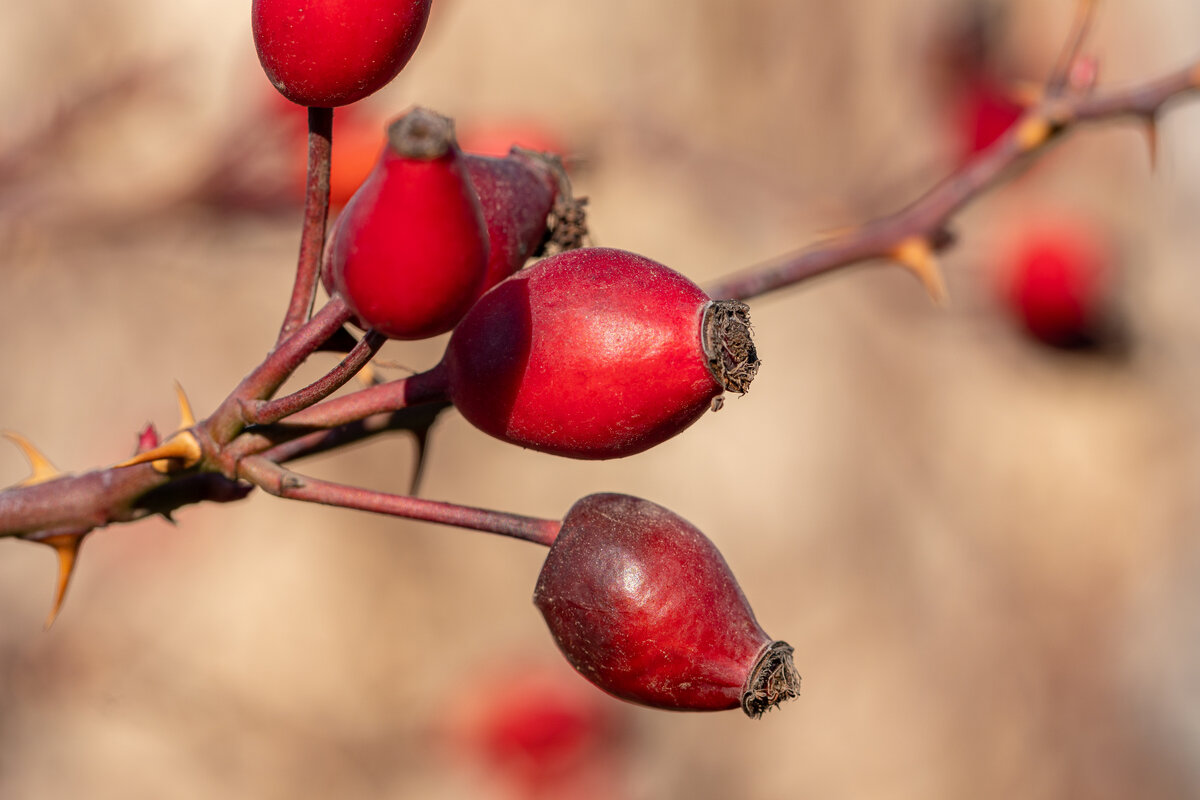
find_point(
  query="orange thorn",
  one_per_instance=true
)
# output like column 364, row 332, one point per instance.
column 916, row 255
column 43, row 470
column 66, row 547
column 1032, row 132
column 186, row 418
column 1152, row 140
column 183, row 447
column 421, row 437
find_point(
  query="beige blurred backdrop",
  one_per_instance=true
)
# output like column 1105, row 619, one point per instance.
column 984, row 553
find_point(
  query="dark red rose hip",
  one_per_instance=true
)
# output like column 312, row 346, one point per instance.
column 596, row 353
column 644, row 606
column 516, row 194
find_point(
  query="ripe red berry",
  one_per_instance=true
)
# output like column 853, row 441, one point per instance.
column 645, row 607
column 329, row 53
column 409, row 251
column 517, row 194
column 986, row 112
column 1057, row 281
column 596, row 353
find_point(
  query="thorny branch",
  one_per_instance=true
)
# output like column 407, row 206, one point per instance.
column 913, row 235
column 223, row 456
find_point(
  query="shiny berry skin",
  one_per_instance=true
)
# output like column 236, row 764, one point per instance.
column 643, row 605
column 596, row 353
column 408, row 252
column 517, row 194
column 1057, row 283
column 329, row 53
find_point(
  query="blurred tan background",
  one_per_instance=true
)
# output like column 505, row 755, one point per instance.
column 984, row 552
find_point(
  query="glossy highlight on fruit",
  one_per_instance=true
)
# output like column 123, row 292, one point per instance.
column 644, row 606
column 329, row 53
column 409, row 251
column 596, row 353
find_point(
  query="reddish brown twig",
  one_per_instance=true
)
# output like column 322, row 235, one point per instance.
column 227, row 421
column 287, row 484
column 1060, row 77
column 316, row 213
column 923, row 223
column 264, row 412
column 419, row 389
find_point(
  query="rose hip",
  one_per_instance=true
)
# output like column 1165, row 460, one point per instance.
column 409, row 251
column 517, row 194
column 1057, row 283
column 329, row 53
column 596, row 353
column 643, row 605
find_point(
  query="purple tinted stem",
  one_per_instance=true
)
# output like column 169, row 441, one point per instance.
column 316, row 213
column 292, row 486
column 264, row 412
column 419, row 389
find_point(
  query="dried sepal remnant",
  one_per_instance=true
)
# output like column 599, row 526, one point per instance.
column 773, row 680
column 568, row 228
column 729, row 346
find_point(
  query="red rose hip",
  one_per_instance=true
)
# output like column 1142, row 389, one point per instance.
column 1057, row 283
column 643, row 605
column 329, row 53
column 517, row 194
column 596, row 353
column 408, row 252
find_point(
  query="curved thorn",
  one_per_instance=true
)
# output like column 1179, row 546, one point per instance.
column 916, row 255
column 1151, row 129
column 368, row 376
column 421, row 440
column 66, row 547
column 183, row 447
column 186, row 418
column 43, row 470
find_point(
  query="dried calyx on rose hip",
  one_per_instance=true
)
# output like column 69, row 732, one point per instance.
column 596, row 353
column 527, row 205
column 643, row 605
column 329, row 53
column 409, row 251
